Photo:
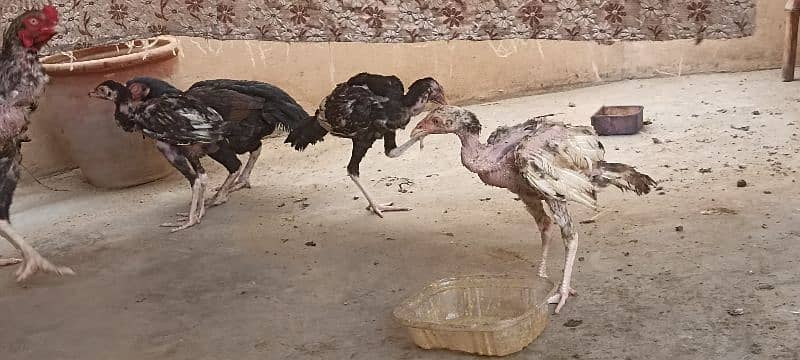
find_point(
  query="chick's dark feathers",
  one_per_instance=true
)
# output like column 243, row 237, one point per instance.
column 251, row 109
column 365, row 106
column 179, row 120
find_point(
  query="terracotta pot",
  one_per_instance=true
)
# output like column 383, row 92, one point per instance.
column 107, row 156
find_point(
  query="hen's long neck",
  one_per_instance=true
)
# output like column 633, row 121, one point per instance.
column 472, row 151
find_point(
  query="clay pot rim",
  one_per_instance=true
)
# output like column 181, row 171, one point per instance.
column 106, row 58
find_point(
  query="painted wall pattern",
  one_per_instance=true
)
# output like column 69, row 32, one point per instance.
column 92, row 22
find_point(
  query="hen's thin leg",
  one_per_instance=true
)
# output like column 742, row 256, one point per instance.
column 193, row 171
column 194, row 206
column 378, row 209
column 201, row 201
column 564, row 221
column 200, row 207
column 180, row 163
column 224, row 193
column 244, row 179
column 543, row 221
column 227, row 157
column 359, row 150
column 32, row 261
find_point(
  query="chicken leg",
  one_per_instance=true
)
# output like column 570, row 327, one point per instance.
column 570, row 236
column 32, row 262
column 359, row 150
column 197, row 207
column 179, row 161
column 535, row 208
column 224, row 155
column 224, row 192
column 243, row 181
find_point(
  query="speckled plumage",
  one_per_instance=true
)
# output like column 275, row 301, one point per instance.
column 185, row 130
column 178, row 120
column 365, row 108
column 22, row 82
column 251, row 110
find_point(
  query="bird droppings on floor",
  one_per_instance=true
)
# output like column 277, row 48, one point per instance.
column 681, row 284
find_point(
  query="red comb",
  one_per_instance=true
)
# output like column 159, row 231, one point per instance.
column 50, row 11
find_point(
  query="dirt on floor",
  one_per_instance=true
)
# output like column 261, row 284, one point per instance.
column 295, row 268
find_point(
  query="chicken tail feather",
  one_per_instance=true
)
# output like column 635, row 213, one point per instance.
column 624, row 177
column 308, row 132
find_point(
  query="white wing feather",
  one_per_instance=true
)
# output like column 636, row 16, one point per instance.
column 558, row 165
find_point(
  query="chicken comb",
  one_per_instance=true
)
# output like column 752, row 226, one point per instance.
column 51, row 12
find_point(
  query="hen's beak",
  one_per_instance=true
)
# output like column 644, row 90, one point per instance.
column 422, row 129
column 440, row 99
column 96, row 94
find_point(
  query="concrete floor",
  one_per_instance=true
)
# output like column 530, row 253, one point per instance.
column 243, row 284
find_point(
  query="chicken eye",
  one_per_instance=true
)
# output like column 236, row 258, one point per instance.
column 33, row 21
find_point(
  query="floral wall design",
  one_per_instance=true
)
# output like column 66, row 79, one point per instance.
column 93, row 22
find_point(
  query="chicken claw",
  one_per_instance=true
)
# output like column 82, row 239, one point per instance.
column 561, row 297
column 178, row 226
column 35, row 263
column 386, row 207
column 241, row 185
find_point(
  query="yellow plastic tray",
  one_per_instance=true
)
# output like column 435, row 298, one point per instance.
column 480, row 314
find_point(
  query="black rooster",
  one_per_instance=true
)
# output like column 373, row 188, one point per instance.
column 251, row 111
column 22, row 82
column 184, row 128
column 365, row 108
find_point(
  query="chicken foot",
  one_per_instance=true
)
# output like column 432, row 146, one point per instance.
column 32, row 261
column 359, row 150
column 243, row 181
column 224, row 193
column 196, row 208
column 377, row 209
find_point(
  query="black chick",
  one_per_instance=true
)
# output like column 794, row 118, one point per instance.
column 251, row 110
column 185, row 130
column 365, row 108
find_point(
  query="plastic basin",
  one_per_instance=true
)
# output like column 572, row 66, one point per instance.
column 479, row 314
